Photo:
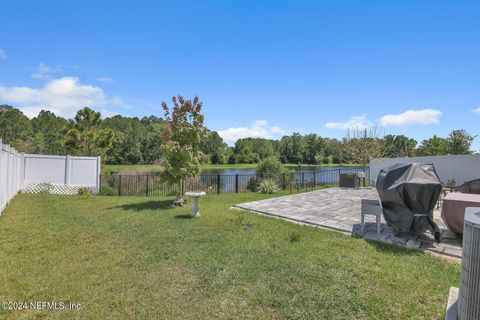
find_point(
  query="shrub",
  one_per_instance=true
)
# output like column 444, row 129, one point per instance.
column 270, row 167
column 107, row 191
column 294, row 236
column 267, row 186
column 252, row 184
column 84, row 192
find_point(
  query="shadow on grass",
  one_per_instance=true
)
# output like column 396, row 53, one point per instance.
column 393, row 248
column 183, row 216
column 382, row 246
column 147, row 205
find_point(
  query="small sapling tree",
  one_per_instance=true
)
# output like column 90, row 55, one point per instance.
column 181, row 139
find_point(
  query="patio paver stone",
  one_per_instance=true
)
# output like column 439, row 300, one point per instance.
column 339, row 209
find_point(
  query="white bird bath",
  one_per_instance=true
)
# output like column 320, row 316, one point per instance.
column 195, row 196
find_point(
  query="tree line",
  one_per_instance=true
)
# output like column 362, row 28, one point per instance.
column 132, row 140
column 356, row 147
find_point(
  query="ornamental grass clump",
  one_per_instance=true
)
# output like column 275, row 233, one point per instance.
column 268, row 186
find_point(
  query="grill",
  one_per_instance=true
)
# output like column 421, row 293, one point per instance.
column 409, row 193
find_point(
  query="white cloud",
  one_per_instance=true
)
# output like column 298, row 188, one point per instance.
column 63, row 96
column 118, row 102
column 410, row 117
column 105, row 79
column 355, row 122
column 477, row 110
column 259, row 129
column 43, row 71
column 3, row 55
column 38, row 75
column 277, row 130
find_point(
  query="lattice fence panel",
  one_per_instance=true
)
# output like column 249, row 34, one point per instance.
column 50, row 188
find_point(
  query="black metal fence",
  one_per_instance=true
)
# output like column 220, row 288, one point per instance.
column 152, row 184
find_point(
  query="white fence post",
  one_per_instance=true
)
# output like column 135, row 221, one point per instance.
column 450, row 166
column 13, row 167
column 67, row 169
column 7, row 186
column 22, row 176
column 99, row 172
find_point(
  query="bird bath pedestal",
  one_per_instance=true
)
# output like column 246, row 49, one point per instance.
column 195, row 196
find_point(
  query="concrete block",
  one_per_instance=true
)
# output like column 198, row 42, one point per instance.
column 451, row 311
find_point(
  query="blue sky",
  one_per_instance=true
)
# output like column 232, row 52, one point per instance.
column 262, row 68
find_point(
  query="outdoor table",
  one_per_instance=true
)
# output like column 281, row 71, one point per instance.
column 453, row 209
column 195, row 196
column 372, row 207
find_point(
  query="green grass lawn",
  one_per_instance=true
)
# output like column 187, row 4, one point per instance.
column 137, row 258
column 147, row 168
column 130, row 168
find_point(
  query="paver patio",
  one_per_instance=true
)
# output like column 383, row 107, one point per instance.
column 339, row 209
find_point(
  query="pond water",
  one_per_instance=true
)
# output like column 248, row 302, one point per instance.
column 232, row 180
column 226, row 171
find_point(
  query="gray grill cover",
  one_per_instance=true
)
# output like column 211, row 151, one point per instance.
column 406, row 190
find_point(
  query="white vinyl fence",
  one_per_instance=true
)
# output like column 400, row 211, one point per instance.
column 462, row 168
column 36, row 173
